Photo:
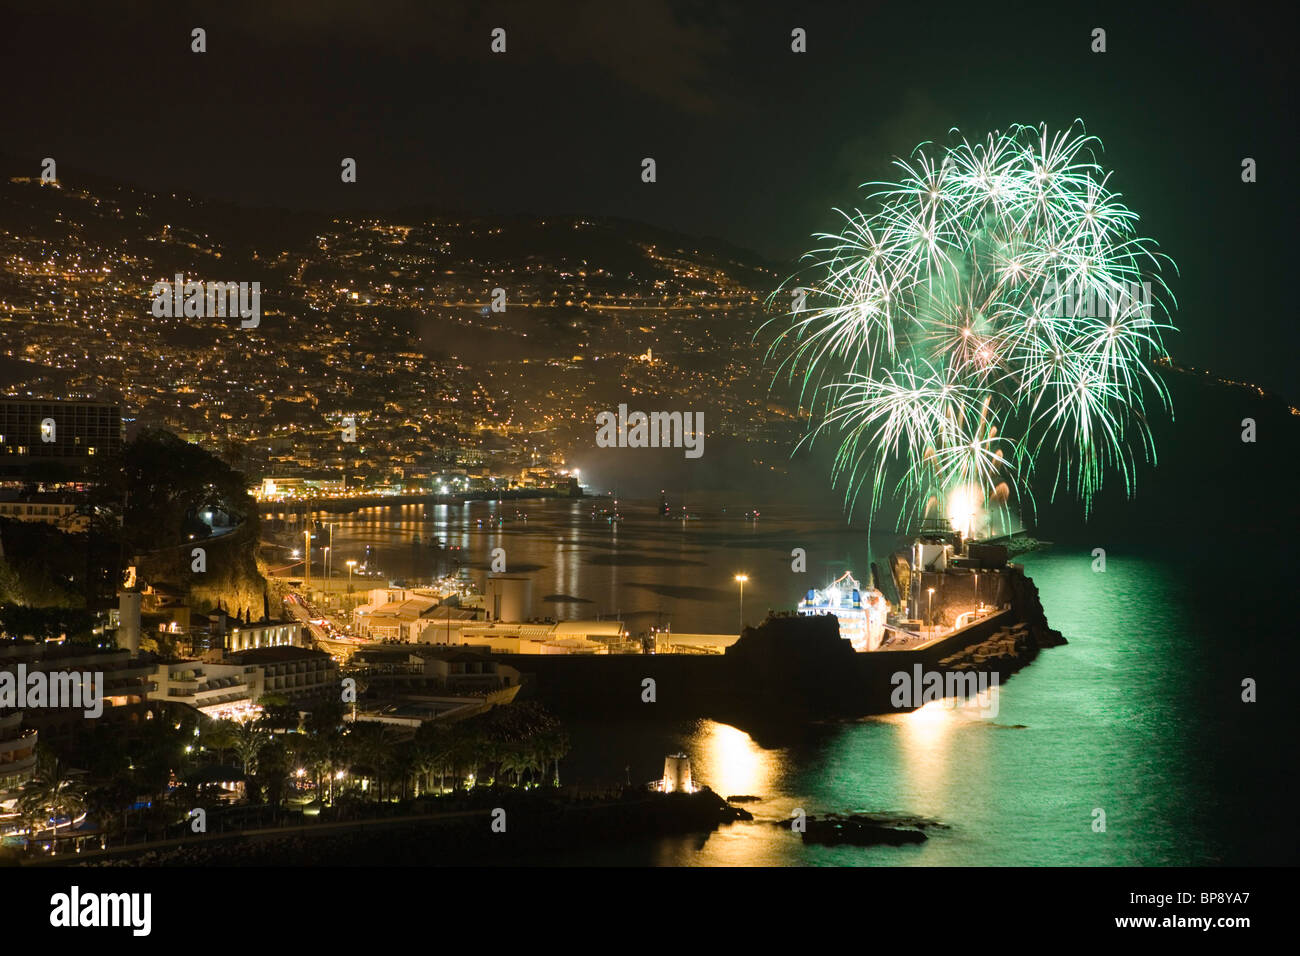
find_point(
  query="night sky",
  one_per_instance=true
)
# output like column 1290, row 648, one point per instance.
column 754, row 144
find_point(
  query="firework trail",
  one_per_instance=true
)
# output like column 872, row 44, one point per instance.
column 996, row 307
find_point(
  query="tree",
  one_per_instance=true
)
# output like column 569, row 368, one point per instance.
column 403, row 765
column 432, row 752
column 311, row 752
column 249, row 741
column 273, row 770
column 468, row 750
column 159, row 483
column 370, row 746
column 44, row 623
column 325, row 716
column 554, row 746
column 277, row 712
column 108, row 804
column 514, row 759
column 52, row 792
column 221, row 735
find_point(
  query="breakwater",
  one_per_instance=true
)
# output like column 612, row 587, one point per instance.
column 349, row 504
column 787, row 670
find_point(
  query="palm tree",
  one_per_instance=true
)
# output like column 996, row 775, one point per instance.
column 108, row 804
column 336, row 749
column 515, row 759
column 469, row 748
column 278, row 713
column 433, row 747
column 273, row 770
column 371, row 747
column 429, row 753
column 248, row 743
column 221, row 735
column 403, row 764
column 52, row 792
column 311, row 752
column 553, row 746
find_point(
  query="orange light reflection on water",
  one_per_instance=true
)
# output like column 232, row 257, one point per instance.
column 729, row 762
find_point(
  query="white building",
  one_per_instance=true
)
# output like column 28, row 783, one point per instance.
column 17, row 764
column 247, row 637
column 399, row 620
column 233, row 687
column 216, row 690
column 532, row 637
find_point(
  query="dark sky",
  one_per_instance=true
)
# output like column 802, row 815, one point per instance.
column 754, row 144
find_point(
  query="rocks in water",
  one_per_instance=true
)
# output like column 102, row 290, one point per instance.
column 1009, row 645
column 864, row 829
column 1029, row 609
column 712, row 809
column 1025, row 543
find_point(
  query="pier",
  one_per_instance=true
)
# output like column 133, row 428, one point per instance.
column 349, row 503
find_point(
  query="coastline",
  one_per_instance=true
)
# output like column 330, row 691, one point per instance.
column 452, row 830
column 786, row 671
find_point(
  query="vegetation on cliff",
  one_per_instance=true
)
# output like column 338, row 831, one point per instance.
column 145, row 507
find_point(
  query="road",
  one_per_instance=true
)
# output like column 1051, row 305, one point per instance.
column 308, row 615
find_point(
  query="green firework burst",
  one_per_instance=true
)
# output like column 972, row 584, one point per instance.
column 996, row 307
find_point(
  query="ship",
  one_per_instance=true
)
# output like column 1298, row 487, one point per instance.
column 862, row 612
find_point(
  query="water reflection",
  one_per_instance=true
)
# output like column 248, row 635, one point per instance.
column 645, row 568
column 1140, row 714
column 730, row 763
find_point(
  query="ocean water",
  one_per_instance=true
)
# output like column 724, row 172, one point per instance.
column 1138, row 723
column 643, row 568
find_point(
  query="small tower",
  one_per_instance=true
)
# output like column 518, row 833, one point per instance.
column 677, row 774
column 128, row 620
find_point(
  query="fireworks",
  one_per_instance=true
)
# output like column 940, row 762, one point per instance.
column 996, row 307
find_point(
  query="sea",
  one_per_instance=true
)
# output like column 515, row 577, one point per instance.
column 1162, row 734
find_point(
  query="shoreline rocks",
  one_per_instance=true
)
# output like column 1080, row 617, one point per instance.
column 863, row 829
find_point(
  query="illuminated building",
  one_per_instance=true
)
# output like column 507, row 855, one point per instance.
column 61, row 511
column 17, row 765
column 67, row 434
column 122, row 678
column 677, row 775
column 233, row 687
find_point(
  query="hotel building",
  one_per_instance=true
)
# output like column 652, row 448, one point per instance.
column 17, row 764
column 71, row 434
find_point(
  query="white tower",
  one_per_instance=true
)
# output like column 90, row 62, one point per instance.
column 128, row 621
column 677, row 774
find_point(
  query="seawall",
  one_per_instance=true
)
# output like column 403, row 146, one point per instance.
column 789, row 669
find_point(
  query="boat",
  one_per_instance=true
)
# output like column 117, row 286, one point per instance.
column 862, row 612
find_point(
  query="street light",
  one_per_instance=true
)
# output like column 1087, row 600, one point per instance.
column 351, row 564
column 742, row 578
column 325, row 562
column 306, row 550
column 929, row 608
